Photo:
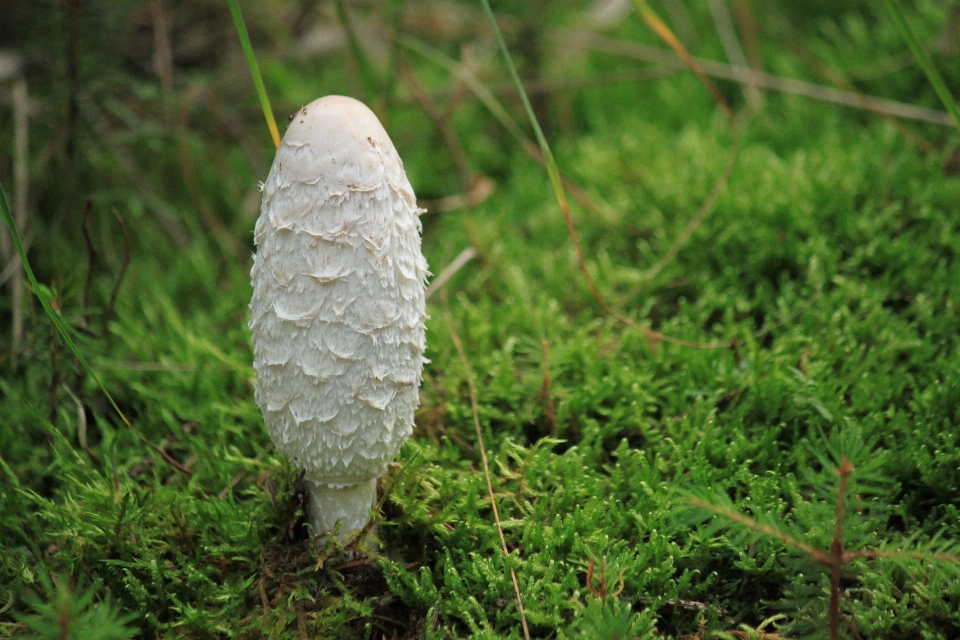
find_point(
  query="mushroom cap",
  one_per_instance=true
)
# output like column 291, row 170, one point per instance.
column 338, row 308
column 344, row 137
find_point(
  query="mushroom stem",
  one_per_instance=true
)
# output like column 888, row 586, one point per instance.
column 350, row 504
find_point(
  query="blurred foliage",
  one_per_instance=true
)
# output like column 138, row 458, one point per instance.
column 596, row 434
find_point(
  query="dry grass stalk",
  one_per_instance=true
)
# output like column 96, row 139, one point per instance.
column 450, row 270
column 666, row 35
column 483, row 457
column 731, row 46
column 761, row 79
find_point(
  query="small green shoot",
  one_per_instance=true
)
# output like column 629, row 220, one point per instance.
column 847, row 486
column 70, row 611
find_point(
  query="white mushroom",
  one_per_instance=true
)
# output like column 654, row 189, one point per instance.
column 337, row 313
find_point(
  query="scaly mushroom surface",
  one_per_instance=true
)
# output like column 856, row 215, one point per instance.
column 338, row 310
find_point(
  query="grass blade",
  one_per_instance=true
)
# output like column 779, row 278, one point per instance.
column 62, row 328
column 552, row 169
column 936, row 80
column 497, row 110
column 555, row 179
column 663, row 32
column 254, row 70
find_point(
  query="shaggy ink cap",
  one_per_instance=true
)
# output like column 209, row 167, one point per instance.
column 338, row 308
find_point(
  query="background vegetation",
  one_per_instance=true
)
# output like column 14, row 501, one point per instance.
column 825, row 278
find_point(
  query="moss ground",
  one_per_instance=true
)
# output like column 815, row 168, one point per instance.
column 598, row 436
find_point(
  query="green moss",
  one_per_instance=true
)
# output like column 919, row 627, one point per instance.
column 594, row 468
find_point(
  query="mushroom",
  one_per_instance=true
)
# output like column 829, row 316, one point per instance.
column 338, row 310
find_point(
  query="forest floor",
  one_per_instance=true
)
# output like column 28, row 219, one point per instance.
column 677, row 468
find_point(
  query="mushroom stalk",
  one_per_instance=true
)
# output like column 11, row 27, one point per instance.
column 338, row 311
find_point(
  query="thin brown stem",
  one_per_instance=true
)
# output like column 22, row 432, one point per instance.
column 91, row 258
column 483, row 457
column 440, row 121
column 108, row 312
column 761, row 79
column 836, row 549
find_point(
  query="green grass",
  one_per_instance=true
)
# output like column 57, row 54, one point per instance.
column 598, row 468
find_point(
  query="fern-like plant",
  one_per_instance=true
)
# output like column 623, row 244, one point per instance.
column 65, row 610
column 829, row 535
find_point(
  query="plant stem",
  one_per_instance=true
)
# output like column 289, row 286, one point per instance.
column 486, row 465
column 666, row 35
column 254, row 70
column 936, row 80
column 836, row 549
